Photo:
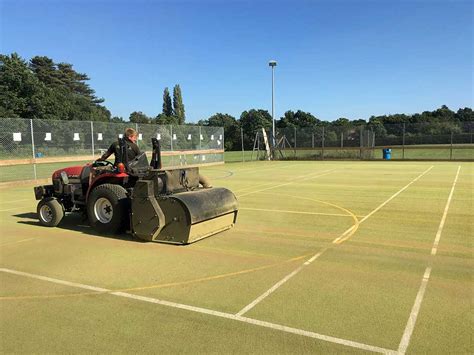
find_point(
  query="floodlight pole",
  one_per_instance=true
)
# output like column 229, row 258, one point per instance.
column 273, row 64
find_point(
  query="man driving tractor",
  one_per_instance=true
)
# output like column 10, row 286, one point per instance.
column 131, row 147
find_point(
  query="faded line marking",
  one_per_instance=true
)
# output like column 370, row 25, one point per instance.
column 405, row 341
column 445, row 213
column 15, row 242
column 349, row 233
column 344, row 236
column 298, row 179
column 206, row 311
column 171, row 284
column 295, row 212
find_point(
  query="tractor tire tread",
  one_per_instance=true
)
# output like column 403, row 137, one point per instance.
column 56, row 209
column 117, row 195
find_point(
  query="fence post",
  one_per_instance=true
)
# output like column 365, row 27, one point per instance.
column 242, row 141
column 373, row 143
column 361, row 137
column 451, row 150
column 200, row 134
column 295, row 142
column 312, row 140
column 322, row 145
column 92, row 139
column 403, row 142
column 342, row 138
column 171, row 137
column 33, row 147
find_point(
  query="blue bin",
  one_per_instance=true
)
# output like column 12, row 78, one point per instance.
column 387, row 153
column 39, row 155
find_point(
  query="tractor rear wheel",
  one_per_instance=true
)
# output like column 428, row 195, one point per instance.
column 108, row 208
column 50, row 212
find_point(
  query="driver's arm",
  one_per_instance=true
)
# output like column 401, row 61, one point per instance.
column 108, row 153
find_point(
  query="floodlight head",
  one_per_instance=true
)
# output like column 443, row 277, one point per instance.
column 272, row 63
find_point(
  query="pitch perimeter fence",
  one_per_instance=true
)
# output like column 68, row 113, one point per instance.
column 407, row 141
column 29, row 146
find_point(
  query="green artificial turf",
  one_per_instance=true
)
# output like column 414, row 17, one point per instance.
column 360, row 290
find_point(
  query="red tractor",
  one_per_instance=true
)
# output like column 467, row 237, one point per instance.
column 165, row 205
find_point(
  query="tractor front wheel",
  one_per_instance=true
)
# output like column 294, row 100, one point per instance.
column 50, row 212
column 107, row 208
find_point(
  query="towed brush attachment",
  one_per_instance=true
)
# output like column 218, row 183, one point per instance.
column 169, row 206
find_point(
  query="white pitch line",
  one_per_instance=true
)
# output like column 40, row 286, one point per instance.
column 337, row 240
column 405, row 342
column 443, row 219
column 57, row 281
column 300, row 178
column 343, row 236
column 268, row 292
column 402, row 348
column 278, row 284
column 234, row 317
column 295, row 212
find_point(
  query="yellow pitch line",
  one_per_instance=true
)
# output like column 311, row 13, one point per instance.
column 350, row 232
column 202, row 279
column 215, row 277
column 209, row 278
column 179, row 283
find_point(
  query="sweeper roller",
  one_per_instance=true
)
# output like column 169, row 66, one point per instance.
column 181, row 218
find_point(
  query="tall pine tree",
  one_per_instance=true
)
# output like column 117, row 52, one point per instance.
column 167, row 106
column 178, row 106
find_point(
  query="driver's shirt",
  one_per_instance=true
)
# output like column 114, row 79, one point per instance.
column 132, row 150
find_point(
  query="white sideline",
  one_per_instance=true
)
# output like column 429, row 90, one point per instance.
column 443, row 219
column 295, row 212
column 341, row 238
column 256, row 322
column 402, row 348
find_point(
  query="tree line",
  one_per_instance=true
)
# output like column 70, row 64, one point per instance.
column 41, row 88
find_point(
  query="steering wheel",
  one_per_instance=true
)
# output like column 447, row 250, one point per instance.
column 102, row 163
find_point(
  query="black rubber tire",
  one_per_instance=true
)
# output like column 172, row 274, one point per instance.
column 120, row 206
column 50, row 212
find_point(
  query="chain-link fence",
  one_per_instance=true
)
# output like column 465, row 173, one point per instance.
column 24, row 138
column 52, row 141
column 410, row 141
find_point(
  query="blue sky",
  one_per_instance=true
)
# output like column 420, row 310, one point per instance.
column 335, row 58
